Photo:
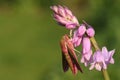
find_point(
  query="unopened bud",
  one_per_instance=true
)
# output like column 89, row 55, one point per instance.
column 90, row 32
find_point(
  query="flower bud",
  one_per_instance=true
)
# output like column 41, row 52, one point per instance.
column 90, row 32
column 81, row 30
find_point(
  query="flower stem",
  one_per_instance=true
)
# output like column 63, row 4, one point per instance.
column 70, row 34
column 104, row 71
column 94, row 43
column 105, row 74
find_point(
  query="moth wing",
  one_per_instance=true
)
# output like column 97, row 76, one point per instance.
column 75, row 61
column 64, row 63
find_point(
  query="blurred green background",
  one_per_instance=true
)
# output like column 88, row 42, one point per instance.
column 29, row 38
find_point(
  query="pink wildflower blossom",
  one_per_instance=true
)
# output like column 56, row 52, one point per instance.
column 64, row 17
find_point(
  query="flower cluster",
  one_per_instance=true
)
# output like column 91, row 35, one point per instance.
column 81, row 35
column 64, row 17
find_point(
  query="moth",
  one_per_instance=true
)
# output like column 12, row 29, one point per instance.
column 69, row 58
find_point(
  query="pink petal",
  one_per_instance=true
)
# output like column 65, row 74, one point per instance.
column 62, row 11
column 91, row 67
column 54, row 8
column 68, row 12
column 88, row 55
column 86, row 64
column 82, row 60
column 112, row 61
column 74, row 19
column 111, row 52
column 98, row 67
column 104, row 50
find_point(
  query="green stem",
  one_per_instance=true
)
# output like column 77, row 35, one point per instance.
column 70, row 34
column 105, row 74
column 94, row 43
column 104, row 71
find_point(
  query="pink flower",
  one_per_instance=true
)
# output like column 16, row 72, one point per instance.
column 78, row 34
column 98, row 61
column 64, row 17
column 101, row 59
column 86, row 51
